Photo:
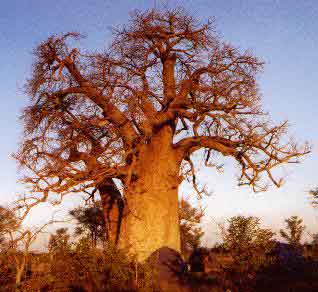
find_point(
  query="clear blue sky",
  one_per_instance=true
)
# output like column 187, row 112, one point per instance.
column 283, row 33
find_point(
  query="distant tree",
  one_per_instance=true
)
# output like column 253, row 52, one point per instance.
column 15, row 242
column 294, row 231
column 315, row 239
column 314, row 196
column 190, row 231
column 135, row 113
column 90, row 220
column 59, row 243
column 9, row 223
column 247, row 241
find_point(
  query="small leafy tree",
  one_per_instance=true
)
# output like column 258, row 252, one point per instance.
column 8, row 223
column 90, row 221
column 190, row 231
column 294, row 232
column 314, row 196
column 59, row 243
column 315, row 239
column 247, row 241
column 15, row 243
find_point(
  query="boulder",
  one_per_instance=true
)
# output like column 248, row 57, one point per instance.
column 169, row 270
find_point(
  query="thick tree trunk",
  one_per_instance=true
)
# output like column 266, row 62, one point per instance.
column 152, row 199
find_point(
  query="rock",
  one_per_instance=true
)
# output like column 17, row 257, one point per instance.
column 169, row 270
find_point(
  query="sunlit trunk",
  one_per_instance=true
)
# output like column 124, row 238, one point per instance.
column 152, row 199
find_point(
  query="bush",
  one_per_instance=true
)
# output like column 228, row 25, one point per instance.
column 86, row 268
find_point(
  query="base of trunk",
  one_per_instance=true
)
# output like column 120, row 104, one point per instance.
column 152, row 223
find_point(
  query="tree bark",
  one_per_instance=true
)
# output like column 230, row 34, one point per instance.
column 152, row 219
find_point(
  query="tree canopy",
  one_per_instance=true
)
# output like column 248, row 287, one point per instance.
column 90, row 111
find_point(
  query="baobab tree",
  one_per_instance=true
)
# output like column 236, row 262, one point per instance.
column 124, row 122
